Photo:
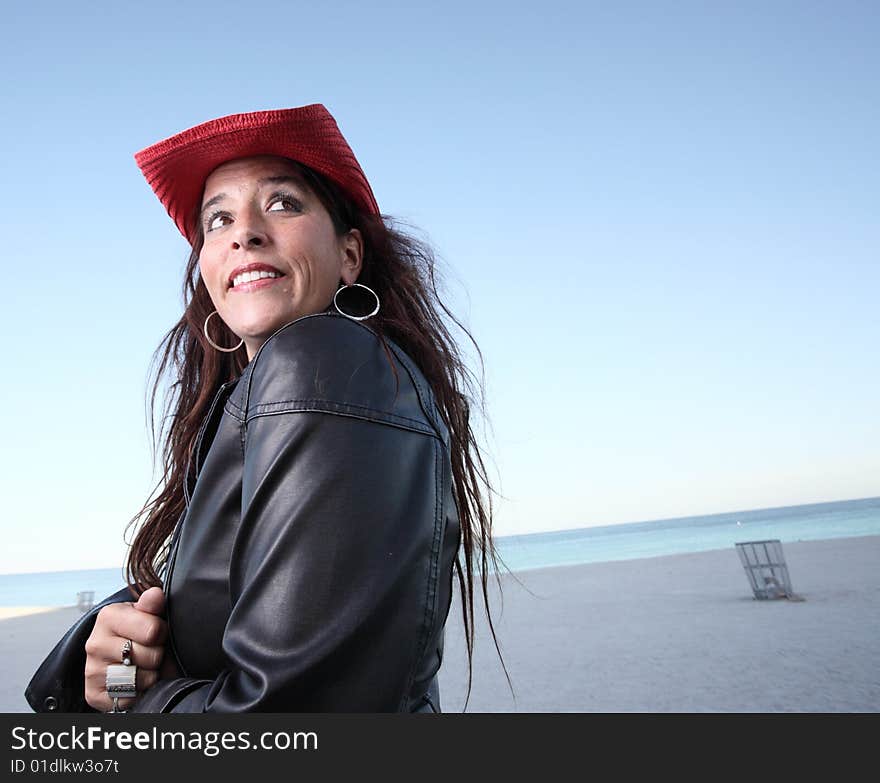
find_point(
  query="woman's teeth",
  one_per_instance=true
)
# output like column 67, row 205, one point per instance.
column 247, row 277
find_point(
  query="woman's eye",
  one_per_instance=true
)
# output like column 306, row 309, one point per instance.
column 216, row 220
column 284, row 203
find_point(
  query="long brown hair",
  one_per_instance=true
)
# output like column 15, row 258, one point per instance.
column 401, row 270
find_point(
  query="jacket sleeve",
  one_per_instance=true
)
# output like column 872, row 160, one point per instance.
column 334, row 567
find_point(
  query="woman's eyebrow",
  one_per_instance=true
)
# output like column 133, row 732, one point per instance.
column 210, row 203
column 280, row 179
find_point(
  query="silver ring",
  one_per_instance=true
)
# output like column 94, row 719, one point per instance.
column 121, row 683
column 126, row 653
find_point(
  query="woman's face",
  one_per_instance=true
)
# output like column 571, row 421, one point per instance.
column 258, row 214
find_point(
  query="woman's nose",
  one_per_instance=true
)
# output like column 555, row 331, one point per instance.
column 247, row 239
column 249, row 233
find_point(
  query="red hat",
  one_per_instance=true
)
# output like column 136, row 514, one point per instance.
column 177, row 167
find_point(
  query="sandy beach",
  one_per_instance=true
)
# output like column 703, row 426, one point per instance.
column 8, row 612
column 680, row 633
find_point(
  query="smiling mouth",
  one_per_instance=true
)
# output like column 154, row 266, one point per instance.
column 246, row 280
column 243, row 286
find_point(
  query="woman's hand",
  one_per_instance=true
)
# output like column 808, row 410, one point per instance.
column 140, row 622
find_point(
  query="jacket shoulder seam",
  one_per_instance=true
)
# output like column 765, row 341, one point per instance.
column 334, row 406
column 429, row 410
column 348, row 414
column 234, row 410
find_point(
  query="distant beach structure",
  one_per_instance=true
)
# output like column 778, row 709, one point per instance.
column 766, row 569
column 85, row 600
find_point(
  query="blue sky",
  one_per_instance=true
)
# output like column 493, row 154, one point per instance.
column 659, row 220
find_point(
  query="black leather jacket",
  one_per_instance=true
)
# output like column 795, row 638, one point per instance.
column 312, row 570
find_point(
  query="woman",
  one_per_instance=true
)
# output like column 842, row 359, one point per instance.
column 321, row 473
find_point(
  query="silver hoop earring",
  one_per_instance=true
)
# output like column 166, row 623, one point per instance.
column 219, row 348
column 362, row 308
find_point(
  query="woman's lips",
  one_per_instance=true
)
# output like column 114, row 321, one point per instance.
column 253, row 285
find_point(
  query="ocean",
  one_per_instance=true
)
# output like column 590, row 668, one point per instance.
column 839, row 519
